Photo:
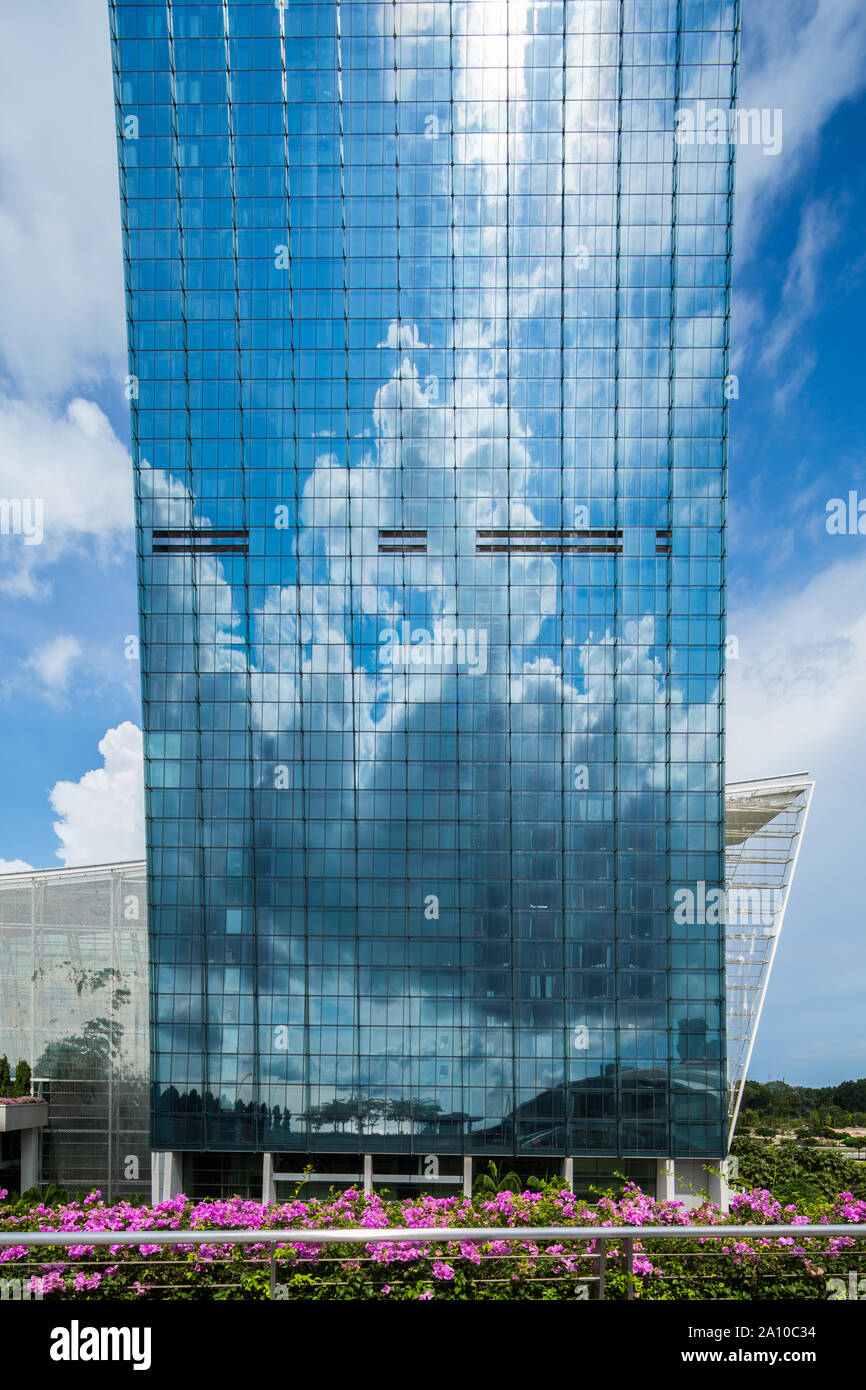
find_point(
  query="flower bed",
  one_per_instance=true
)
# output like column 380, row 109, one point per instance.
column 763, row 1266
column 23, row 1100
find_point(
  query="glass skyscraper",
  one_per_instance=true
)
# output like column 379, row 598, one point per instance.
column 428, row 311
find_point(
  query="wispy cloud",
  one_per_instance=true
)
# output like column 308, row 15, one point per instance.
column 778, row 343
column 783, row 347
column 796, row 695
column 807, row 57
column 53, row 664
column 60, row 252
column 795, row 704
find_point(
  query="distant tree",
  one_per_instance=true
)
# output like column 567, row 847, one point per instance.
column 851, row 1095
column 370, row 1111
column 314, row 1117
column 800, row 1171
column 401, row 1112
column 780, row 1104
column 426, row 1113
column 5, row 1076
column 169, row 1101
column 22, row 1078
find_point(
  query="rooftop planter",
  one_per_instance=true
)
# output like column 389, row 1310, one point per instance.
column 22, row 1112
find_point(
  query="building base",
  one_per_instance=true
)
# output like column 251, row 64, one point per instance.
column 693, row 1180
column 279, row 1177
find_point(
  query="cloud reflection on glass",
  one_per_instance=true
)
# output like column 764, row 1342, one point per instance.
column 430, row 318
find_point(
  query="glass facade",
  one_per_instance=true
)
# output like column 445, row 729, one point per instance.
column 428, row 317
column 73, row 1003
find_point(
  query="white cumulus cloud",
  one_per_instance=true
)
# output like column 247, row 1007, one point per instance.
column 102, row 814
column 75, row 477
column 13, row 866
column 402, row 335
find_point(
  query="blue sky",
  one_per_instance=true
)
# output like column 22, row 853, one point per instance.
column 69, row 710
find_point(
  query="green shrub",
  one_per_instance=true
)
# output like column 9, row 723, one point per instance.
column 22, row 1079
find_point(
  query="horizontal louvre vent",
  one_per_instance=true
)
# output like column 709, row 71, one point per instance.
column 663, row 541
column 213, row 541
column 576, row 541
column 397, row 542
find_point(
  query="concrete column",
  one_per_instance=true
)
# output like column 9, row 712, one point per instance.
column 717, row 1184
column 467, row 1176
column 166, row 1175
column 568, row 1173
column 173, row 1174
column 666, row 1187
column 368, row 1174
column 30, row 1156
column 268, row 1184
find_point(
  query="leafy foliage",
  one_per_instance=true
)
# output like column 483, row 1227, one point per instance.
column 489, row 1184
column 794, row 1172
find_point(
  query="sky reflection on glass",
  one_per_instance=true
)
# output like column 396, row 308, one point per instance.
column 429, row 321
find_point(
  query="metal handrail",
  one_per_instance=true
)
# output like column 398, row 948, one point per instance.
column 426, row 1235
column 600, row 1238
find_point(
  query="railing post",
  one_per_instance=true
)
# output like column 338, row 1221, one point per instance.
column 628, row 1252
column 602, row 1268
column 273, row 1270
